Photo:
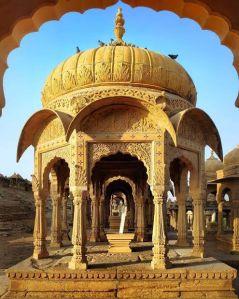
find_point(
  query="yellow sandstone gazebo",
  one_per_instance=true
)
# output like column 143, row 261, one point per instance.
column 119, row 121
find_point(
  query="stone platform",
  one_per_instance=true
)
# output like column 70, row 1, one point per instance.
column 121, row 276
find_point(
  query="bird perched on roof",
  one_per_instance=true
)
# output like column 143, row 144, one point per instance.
column 101, row 43
column 173, row 56
column 77, row 50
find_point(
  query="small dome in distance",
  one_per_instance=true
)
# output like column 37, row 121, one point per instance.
column 212, row 164
column 232, row 158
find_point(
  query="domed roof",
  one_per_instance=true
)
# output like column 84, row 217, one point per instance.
column 118, row 63
column 212, row 164
column 232, row 158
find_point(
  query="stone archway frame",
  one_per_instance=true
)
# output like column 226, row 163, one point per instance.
column 48, row 159
column 122, row 178
column 37, row 122
column 217, row 18
column 209, row 129
column 140, row 150
column 190, row 158
column 157, row 113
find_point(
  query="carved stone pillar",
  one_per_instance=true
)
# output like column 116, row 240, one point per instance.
column 101, row 219
column 56, row 236
column 231, row 223
column 219, row 218
column 40, row 250
column 94, row 237
column 64, row 214
column 79, row 260
column 182, row 221
column 150, row 212
column 140, row 221
column 160, row 259
column 198, row 225
column 235, row 237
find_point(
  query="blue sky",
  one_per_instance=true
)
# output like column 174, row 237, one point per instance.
column 200, row 52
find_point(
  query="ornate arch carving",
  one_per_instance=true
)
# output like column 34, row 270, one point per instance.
column 122, row 178
column 140, row 150
column 189, row 158
column 155, row 112
column 48, row 159
column 209, row 135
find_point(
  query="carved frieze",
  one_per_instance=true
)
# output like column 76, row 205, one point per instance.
column 75, row 101
column 52, row 130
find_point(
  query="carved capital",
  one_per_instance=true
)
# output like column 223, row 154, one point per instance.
column 159, row 192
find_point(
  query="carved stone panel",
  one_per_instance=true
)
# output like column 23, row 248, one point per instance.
column 120, row 119
column 191, row 131
column 52, row 131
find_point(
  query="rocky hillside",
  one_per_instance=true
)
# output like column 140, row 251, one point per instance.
column 16, row 210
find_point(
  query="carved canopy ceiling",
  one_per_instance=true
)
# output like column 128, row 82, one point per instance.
column 37, row 122
column 198, row 122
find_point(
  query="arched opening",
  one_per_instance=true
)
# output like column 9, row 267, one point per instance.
column 227, row 217
column 119, row 196
column 181, row 213
column 58, row 207
column 211, row 212
column 109, row 198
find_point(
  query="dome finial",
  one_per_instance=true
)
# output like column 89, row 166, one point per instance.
column 119, row 25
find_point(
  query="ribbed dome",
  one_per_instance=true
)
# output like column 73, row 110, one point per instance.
column 118, row 63
column 232, row 158
column 212, row 164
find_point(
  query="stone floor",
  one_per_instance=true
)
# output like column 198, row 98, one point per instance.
column 99, row 258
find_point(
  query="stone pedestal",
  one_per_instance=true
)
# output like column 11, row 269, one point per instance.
column 115, row 223
column 120, row 242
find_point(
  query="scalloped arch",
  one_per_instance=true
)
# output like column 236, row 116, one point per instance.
column 198, row 10
column 122, row 151
column 122, row 178
column 46, row 171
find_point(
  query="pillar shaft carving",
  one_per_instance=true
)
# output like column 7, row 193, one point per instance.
column 64, row 214
column 160, row 258
column 219, row 218
column 95, row 219
column 101, row 219
column 40, row 250
column 140, row 225
column 56, row 237
column 198, row 225
column 79, row 260
column 182, row 220
column 235, row 237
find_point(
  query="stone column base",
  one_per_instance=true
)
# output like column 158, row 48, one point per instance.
column 56, row 244
column 40, row 253
column 161, row 264
column 198, row 252
column 75, row 265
